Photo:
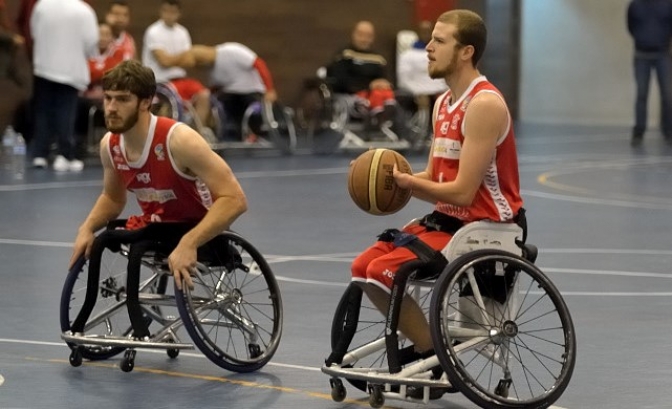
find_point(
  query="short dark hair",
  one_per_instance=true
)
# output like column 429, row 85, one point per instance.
column 131, row 76
column 122, row 3
column 175, row 3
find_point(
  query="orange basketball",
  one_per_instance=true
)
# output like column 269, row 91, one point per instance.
column 371, row 184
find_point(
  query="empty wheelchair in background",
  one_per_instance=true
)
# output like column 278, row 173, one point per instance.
column 122, row 299
column 264, row 126
column 502, row 334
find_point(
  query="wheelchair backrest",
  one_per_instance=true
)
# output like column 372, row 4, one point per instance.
column 484, row 235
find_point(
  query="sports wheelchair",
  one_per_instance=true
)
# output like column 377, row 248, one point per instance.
column 264, row 125
column 120, row 300
column 501, row 331
column 337, row 122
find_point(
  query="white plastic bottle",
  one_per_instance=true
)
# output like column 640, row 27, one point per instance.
column 19, row 157
column 8, row 140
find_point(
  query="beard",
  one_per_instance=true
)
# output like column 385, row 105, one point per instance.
column 439, row 73
column 126, row 124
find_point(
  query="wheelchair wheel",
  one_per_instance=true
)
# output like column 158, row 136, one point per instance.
column 167, row 103
column 234, row 312
column 273, row 122
column 502, row 331
column 358, row 318
column 109, row 317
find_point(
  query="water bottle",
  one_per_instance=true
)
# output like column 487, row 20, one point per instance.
column 19, row 157
column 8, row 139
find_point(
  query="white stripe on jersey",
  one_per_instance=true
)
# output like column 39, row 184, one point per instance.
column 491, row 183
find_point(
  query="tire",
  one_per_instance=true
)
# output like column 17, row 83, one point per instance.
column 518, row 344
column 236, row 300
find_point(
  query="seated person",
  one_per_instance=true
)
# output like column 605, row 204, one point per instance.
column 167, row 51
column 93, row 95
column 412, row 72
column 471, row 173
column 358, row 70
column 180, row 180
column 118, row 17
column 237, row 75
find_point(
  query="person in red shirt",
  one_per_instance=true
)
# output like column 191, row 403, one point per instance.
column 471, row 173
column 118, row 17
column 173, row 173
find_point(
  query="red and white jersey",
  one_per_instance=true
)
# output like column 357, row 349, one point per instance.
column 123, row 47
column 163, row 192
column 498, row 197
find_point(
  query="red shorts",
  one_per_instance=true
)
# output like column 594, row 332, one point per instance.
column 379, row 263
column 187, row 87
column 377, row 98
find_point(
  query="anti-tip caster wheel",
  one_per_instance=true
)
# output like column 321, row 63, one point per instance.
column 338, row 392
column 128, row 362
column 75, row 358
column 172, row 353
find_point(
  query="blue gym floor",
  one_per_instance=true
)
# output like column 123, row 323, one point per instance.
column 599, row 211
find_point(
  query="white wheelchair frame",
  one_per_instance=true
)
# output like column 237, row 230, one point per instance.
column 501, row 239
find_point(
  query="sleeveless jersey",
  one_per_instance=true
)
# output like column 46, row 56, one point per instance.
column 498, row 197
column 163, row 192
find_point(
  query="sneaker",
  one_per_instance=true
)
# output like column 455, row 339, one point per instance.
column 76, row 165
column 61, row 164
column 40, row 163
column 637, row 139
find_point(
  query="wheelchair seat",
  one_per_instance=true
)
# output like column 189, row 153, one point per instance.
column 119, row 300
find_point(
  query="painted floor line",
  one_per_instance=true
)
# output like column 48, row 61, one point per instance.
column 325, row 396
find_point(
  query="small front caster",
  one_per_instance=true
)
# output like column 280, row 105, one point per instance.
column 128, row 362
column 376, row 398
column 502, row 388
column 338, row 392
column 173, row 353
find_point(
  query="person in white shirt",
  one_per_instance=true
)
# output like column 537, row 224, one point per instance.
column 238, row 76
column 166, row 50
column 65, row 35
column 412, row 71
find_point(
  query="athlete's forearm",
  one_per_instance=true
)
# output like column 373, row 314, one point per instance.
column 104, row 210
column 221, row 215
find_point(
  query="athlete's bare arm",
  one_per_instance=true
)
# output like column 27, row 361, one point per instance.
column 182, row 60
column 485, row 120
column 109, row 205
column 193, row 156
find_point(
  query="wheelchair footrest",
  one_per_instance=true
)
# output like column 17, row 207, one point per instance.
column 378, row 377
column 109, row 341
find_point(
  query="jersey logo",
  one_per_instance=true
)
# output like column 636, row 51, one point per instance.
column 453, row 123
column 143, row 177
column 447, row 148
column 159, row 152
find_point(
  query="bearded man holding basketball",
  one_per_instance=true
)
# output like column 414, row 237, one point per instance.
column 471, row 173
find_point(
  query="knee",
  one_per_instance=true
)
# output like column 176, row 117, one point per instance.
column 359, row 267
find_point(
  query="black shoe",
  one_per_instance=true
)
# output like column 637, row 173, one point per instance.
column 636, row 139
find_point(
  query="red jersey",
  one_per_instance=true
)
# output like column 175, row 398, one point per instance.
column 498, row 197
column 163, row 192
column 123, row 48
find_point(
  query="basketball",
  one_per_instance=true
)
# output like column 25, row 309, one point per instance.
column 371, row 184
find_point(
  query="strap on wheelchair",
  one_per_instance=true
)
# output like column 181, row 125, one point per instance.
column 352, row 308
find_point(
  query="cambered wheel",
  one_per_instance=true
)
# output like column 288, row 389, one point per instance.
column 507, row 337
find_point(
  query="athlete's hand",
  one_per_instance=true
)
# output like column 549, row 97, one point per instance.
column 403, row 180
column 82, row 245
column 182, row 261
column 271, row 96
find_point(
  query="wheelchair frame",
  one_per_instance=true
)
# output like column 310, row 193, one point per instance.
column 478, row 254
column 219, row 300
column 334, row 113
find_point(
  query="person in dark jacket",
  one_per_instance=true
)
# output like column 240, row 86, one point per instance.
column 650, row 25
column 360, row 71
